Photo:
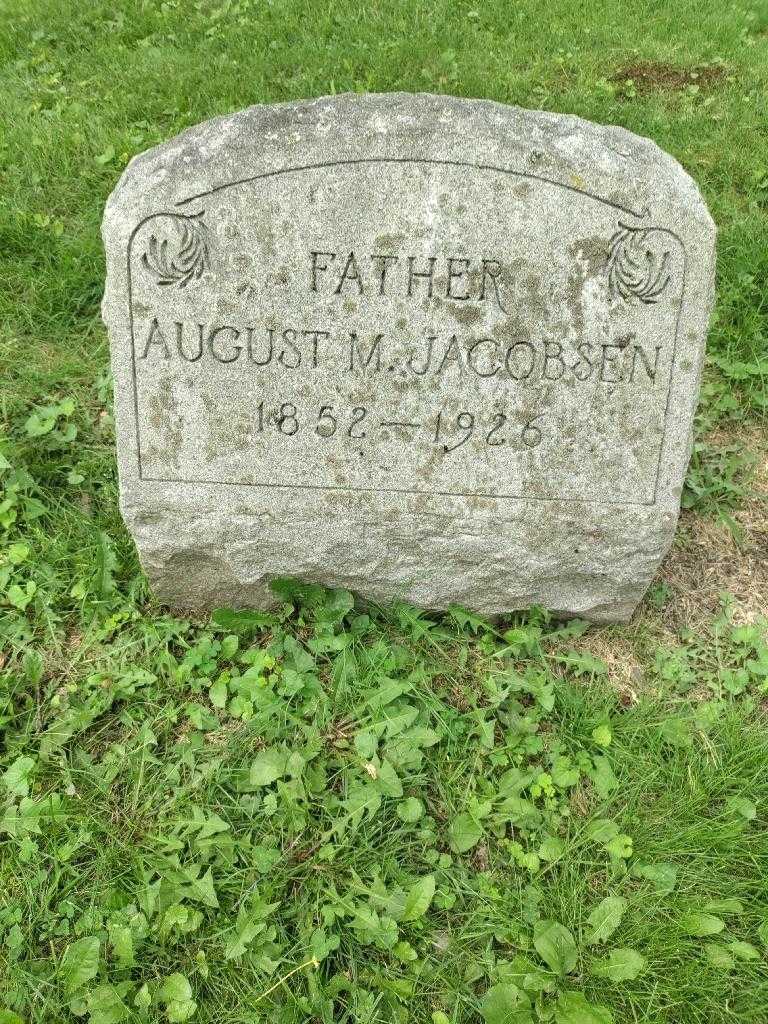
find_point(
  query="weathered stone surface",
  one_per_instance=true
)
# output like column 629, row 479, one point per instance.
column 420, row 347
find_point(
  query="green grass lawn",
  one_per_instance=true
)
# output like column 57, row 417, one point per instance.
column 336, row 812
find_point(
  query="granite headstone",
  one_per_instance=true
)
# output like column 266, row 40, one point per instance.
column 421, row 347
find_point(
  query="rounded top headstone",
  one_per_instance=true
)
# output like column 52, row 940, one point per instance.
column 419, row 346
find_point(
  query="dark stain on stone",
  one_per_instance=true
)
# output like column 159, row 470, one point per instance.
column 385, row 242
column 467, row 315
column 592, row 251
column 530, row 297
column 512, row 328
column 588, row 260
column 164, row 417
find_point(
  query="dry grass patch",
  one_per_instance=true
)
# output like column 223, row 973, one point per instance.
column 656, row 76
column 712, row 558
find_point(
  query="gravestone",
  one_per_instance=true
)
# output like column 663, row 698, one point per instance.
column 421, row 347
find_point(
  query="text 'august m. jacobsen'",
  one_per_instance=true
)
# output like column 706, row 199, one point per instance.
column 291, row 346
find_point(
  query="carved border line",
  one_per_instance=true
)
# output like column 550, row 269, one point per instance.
column 394, row 490
column 412, row 160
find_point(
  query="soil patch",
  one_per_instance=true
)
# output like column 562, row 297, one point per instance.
column 709, row 560
column 656, row 76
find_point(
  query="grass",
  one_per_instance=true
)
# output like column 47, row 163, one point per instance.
column 338, row 812
column 407, row 802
